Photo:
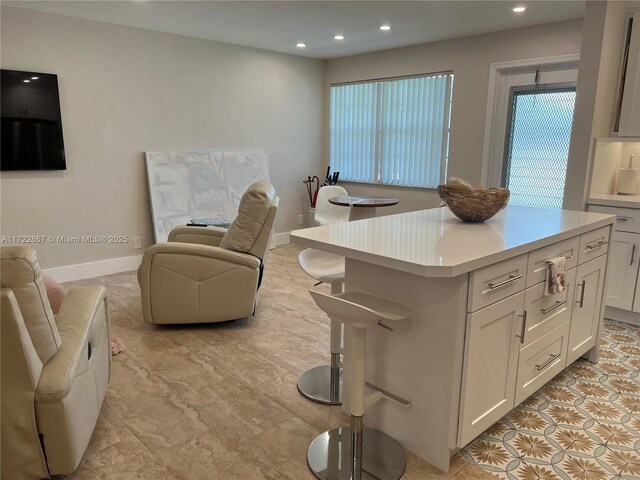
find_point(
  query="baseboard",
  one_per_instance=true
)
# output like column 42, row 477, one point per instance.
column 622, row 315
column 69, row 273
column 282, row 238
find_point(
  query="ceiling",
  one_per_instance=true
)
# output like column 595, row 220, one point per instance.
column 278, row 26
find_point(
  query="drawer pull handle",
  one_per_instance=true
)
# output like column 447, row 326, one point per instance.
column 582, row 286
column 386, row 327
column 596, row 245
column 552, row 307
column 633, row 254
column 550, row 360
column 622, row 219
column 523, row 329
column 511, row 279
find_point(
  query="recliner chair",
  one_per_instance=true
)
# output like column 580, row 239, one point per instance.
column 55, row 371
column 210, row 274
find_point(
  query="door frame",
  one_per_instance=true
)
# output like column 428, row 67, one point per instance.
column 496, row 115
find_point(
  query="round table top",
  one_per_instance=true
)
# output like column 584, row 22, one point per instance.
column 364, row 201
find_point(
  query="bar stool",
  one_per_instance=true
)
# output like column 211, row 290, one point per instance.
column 323, row 384
column 357, row 453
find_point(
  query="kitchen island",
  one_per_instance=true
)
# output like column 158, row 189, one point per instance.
column 483, row 336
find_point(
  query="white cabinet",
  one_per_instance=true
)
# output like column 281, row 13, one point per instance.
column 629, row 121
column 586, row 311
column 517, row 339
column 623, row 269
column 491, row 360
column 636, row 303
column 623, row 281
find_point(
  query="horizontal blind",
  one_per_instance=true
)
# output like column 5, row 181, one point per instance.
column 392, row 132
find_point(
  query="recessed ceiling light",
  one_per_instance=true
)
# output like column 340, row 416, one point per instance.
column 26, row 81
column 339, row 37
column 35, row 78
column 385, row 27
column 519, row 9
column 300, row 45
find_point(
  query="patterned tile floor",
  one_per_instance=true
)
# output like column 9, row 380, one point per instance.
column 584, row 424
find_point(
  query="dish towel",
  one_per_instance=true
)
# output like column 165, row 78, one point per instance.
column 555, row 276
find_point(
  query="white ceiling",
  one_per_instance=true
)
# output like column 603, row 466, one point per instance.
column 278, row 26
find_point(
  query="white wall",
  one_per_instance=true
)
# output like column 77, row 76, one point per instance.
column 596, row 91
column 125, row 90
column 469, row 58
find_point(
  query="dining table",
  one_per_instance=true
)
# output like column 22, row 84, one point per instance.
column 363, row 206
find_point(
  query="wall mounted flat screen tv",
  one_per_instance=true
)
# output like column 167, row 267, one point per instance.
column 31, row 121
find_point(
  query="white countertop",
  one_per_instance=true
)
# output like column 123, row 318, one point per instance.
column 613, row 200
column 434, row 243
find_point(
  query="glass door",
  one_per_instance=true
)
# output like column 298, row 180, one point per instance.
column 537, row 139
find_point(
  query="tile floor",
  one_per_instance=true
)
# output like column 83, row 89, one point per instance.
column 220, row 401
column 584, row 424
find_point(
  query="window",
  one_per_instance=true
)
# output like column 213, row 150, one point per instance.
column 393, row 132
column 537, row 145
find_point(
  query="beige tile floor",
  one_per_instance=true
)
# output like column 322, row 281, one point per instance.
column 220, row 401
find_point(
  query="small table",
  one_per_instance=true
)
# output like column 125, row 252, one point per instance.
column 363, row 206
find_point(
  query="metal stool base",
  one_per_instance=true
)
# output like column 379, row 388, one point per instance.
column 329, row 455
column 318, row 386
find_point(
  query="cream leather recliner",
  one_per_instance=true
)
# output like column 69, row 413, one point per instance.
column 54, row 370
column 210, row 274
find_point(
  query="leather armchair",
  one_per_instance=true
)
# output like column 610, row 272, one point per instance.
column 55, row 371
column 193, row 278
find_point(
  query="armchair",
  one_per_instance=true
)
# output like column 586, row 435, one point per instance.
column 55, row 370
column 209, row 274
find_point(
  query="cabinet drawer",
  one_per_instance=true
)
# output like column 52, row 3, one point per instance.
column 537, row 268
column 541, row 361
column 495, row 282
column 544, row 314
column 627, row 219
column 593, row 244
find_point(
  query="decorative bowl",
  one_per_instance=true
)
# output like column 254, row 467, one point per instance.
column 476, row 205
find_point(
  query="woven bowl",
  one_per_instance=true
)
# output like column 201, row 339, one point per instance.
column 475, row 205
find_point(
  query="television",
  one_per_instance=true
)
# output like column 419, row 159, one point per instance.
column 31, row 122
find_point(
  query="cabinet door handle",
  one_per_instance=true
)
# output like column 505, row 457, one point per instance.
column 386, row 327
column 595, row 245
column 511, row 279
column 633, row 254
column 550, row 360
column 552, row 307
column 582, row 285
column 523, row 329
column 622, row 219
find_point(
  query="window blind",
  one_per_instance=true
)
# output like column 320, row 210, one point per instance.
column 393, row 132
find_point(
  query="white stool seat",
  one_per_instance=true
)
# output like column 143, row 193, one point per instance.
column 323, row 384
column 351, row 453
column 323, row 266
column 359, row 309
